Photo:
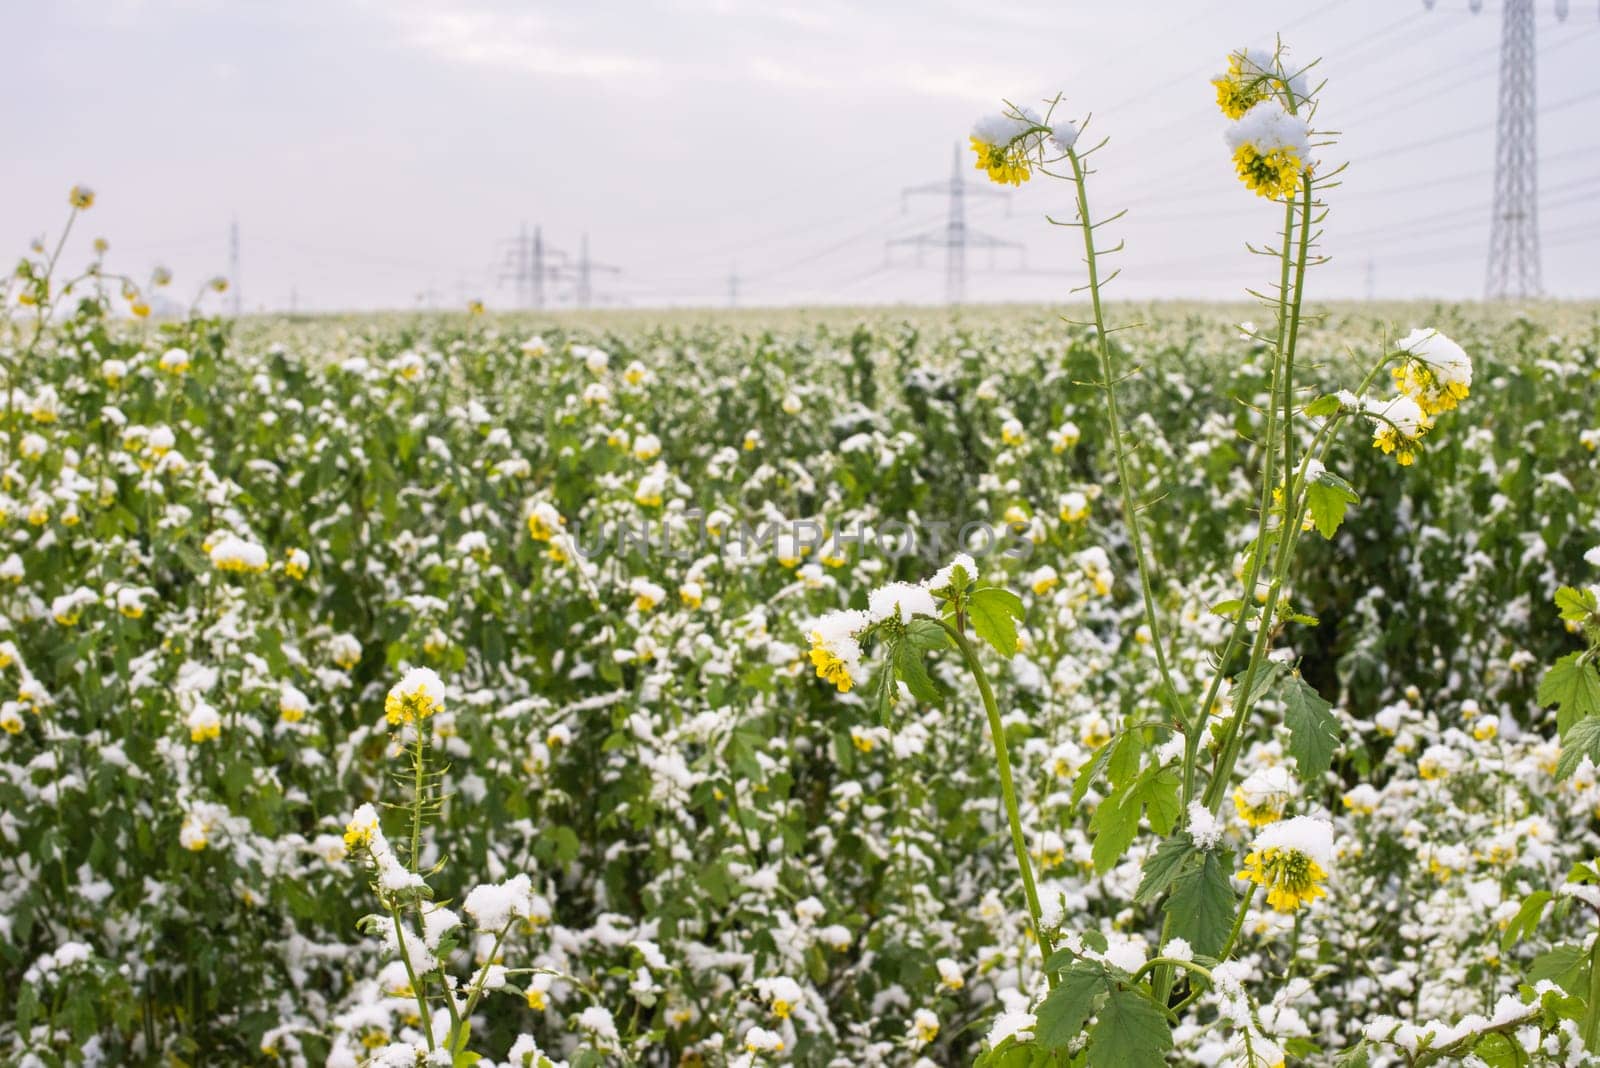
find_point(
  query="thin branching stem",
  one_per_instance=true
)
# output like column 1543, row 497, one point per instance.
column 1130, row 511
column 1289, row 306
column 1008, row 789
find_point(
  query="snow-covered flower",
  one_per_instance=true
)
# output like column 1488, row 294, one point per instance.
column 236, row 554
column 418, row 695
column 1262, row 797
column 174, row 361
column 1290, row 860
column 493, row 905
column 1253, row 75
column 344, row 650
column 203, row 722
column 1005, row 142
column 1436, row 372
column 646, row 594
column 1398, row 426
column 1271, row 149
column 950, row 976
column 835, row 651
column 762, row 1040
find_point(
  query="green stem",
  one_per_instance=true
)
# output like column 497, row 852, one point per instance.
column 1238, row 922
column 1466, row 1042
column 1301, row 257
column 462, row 1029
column 1008, row 790
column 419, row 779
column 418, row 770
column 1290, row 294
column 1591, row 1013
column 1171, row 962
column 1130, row 512
column 411, row 975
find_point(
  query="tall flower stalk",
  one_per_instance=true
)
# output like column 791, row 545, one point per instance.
column 419, row 935
column 1274, row 149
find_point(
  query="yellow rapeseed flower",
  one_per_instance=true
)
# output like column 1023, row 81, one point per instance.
column 415, row 697
column 1287, row 860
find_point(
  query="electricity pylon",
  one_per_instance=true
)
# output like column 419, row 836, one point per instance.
column 581, row 274
column 529, row 265
column 1512, row 270
column 954, row 237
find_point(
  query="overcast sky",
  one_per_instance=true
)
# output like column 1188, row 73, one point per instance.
column 379, row 152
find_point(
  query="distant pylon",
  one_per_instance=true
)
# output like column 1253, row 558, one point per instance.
column 955, row 238
column 237, row 300
column 733, row 286
column 525, row 267
column 1513, row 268
column 538, row 268
column 583, row 273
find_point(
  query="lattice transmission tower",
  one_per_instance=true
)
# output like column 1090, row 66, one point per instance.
column 954, row 236
column 1512, row 270
column 529, row 264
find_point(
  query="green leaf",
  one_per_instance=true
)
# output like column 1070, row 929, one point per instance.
column 1498, row 1051
column 1576, row 605
column 1090, row 771
column 883, row 692
column 1227, row 608
column 1162, row 866
column 1115, row 822
column 1329, row 497
column 1354, row 1057
column 1325, row 405
column 1583, row 740
column 1313, row 728
column 1063, row 1013
column 1573, row 686
column 1562, row 965
column 1159, row 788
column 1526, row 920
column 927, row 635
column 1124, row 762
column 1266, row 676
column 1129, row 1033
column 994, row 612
column 1202, row 904
column 909, row 667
